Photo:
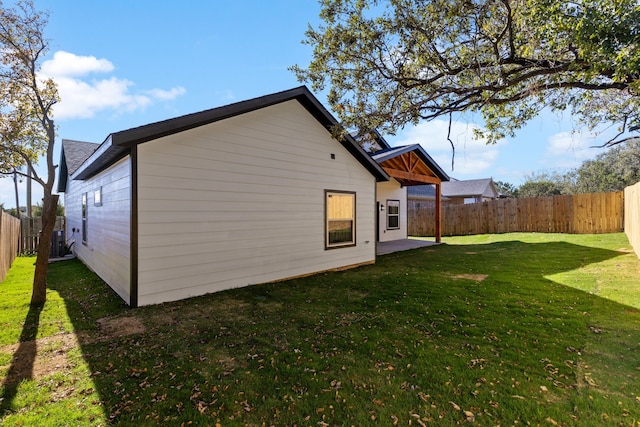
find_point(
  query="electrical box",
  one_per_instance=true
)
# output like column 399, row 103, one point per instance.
column 57, row 244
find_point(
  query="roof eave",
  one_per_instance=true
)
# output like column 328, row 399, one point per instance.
column 118, row 144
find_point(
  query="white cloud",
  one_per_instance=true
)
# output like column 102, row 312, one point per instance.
column 569, row 149
column 82, row 97
column 167, row 94
column 65, row 64
column 472, row 156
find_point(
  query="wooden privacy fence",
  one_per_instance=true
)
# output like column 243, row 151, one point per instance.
column 578, row 214
column 31, row 232
column 632, row 216
column 9, row 242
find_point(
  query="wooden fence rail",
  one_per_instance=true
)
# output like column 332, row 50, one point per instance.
column 31, row 232
column 9, row 242
column 578, row 214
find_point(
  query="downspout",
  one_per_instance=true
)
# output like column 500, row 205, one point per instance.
column 133, row 259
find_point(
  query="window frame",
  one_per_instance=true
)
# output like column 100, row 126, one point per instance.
column 85, row 207
column 395, row 215
column 327, row 220
column 97, row 197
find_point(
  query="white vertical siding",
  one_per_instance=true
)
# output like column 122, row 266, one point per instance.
column 391, row 190
column 107, row 250
column 241, row 201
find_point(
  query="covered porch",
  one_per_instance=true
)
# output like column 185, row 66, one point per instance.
column 411, row 165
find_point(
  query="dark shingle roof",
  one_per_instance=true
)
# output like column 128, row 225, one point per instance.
column 119, row 144
column 72, row 155
column 76, row 152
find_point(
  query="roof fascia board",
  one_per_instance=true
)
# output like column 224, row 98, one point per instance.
column 118, row 144
column 424, row 156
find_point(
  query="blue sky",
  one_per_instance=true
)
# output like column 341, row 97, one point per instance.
column 125, row 63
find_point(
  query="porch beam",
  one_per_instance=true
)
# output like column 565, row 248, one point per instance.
column 411, row 176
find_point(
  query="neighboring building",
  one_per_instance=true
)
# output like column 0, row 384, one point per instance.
column 454, row 192
column 251, row 192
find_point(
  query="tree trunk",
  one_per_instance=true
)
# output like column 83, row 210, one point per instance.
column 39, row 295
column 15, row 185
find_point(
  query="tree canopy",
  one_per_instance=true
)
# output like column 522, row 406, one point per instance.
column 396, row 62
column 26, row 119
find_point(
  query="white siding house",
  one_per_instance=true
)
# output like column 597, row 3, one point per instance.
column 248, row 193
column 392, row 211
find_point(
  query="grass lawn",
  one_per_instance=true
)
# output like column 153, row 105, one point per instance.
column 531, row 329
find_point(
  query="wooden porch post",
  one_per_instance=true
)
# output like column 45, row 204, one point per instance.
column 438, row 214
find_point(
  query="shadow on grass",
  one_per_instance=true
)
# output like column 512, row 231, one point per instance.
column 23, row 360
column 402, row 337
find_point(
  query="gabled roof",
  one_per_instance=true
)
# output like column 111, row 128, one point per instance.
column 454, row 188
column 118, row 145
column 470, row 187
column 412, row 159
column 72, row 155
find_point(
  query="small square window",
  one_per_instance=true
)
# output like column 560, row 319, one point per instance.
column 97, row 197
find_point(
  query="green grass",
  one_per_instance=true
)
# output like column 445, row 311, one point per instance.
column 533, row 329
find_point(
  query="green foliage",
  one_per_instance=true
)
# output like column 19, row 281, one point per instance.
column 27, row 129
column 521, row 329
column 612, row 170
column 390, row 63
column 36, row 210
column 539, row 189
column 25, row 99
column 506, row 188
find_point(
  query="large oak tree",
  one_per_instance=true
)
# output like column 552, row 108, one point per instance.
column 27, row 129
column 390, row 63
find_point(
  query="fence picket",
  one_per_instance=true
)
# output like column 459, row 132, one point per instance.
column 9, row 241
column 577, row 214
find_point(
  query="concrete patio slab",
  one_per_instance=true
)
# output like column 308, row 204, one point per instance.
column 402, row 245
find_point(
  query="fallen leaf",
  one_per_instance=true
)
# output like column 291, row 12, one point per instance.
column 543, row 388
column 551, row 421
column 423, row 396
column 470, row 417
column 455, row 406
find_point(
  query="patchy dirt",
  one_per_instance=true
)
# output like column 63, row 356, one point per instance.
column 39, row 358
column 120, row 326
column 46, row 356
column 474, row 277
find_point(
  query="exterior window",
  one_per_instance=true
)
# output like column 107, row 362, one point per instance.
column 341, row 219
column 97, row 197
column 393, row 214
column 84, row 218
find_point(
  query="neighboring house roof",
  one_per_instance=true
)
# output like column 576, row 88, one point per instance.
column 117, row 145
column 72, row 155
column 454, row 188
column 471, row 188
